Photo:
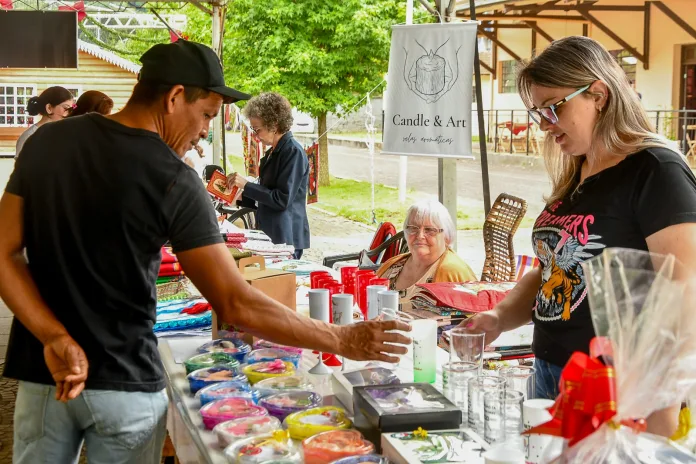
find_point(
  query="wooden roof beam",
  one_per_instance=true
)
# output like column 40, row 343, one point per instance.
column 674, row 17
column 488, row 68
column 504, row 17
column 587, row 15
column 539, row 8
column 497, row 41
column 533, row 25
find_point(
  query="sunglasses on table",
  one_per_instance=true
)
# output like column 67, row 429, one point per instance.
column 428, row 231
column 548, row 113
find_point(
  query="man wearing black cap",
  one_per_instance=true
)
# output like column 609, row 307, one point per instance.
column 92, row 218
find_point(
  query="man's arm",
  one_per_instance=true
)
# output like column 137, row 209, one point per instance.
column 65, row 359
column 214, row 272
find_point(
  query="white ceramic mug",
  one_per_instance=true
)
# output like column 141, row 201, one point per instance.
column 534, row 412
column 503, row 454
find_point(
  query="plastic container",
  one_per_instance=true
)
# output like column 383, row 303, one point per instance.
column 281, row 405
column 231, row 431
column 260, row 344
column 237, row 348
column 227, row 409
column 264, row 449
column 221, row 390
column 275, row 385
column 305, row 424
column 210, row 375
column 201, row 361
column 268, row 370
column 374, row 458
column 329, row 446
column 271, row 354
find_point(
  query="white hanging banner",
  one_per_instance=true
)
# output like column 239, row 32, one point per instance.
column 428, row 103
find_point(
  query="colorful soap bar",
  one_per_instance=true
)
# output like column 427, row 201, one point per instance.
column 305, row 424
column 218, row 391
column 335, row 444
column 227, row 409
column 267, row 370
column 231, row 431
column 283, row 404
column 201, row 361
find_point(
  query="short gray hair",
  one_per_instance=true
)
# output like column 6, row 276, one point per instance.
column 436, row 213
column 273, row 109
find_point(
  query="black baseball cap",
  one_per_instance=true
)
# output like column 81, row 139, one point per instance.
column 187, row 63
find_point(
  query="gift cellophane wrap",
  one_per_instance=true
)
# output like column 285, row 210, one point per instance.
column 642, row 361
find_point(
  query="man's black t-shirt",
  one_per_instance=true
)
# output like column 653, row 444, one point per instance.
column 100, row 200
column 618, row 207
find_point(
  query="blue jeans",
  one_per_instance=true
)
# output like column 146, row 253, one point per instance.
column 547, row 377
column 117, row 427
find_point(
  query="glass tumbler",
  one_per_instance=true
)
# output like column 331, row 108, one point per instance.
column 477, row 388
column 465, row 346
column 520, row 378
column 455, row 384
column 503, row 417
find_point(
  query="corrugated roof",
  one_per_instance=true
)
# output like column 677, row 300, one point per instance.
column 108, row 56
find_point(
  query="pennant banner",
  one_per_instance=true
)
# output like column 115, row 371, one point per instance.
column 313, row 187
column 429, row 90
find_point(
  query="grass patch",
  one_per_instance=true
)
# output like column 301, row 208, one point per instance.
column 235, row 164
column 352, row 199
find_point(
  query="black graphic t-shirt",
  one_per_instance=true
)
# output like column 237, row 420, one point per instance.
column 618, row 207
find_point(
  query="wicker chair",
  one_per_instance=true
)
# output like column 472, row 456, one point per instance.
column 499, row 229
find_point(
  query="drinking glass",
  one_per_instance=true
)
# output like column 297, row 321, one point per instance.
column 503, row 417
column 455, row 384
column 467, row 347
column 477, row 388
column 520, row 378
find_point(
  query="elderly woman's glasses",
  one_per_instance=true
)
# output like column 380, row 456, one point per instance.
column 549, row 112
column 428, row 231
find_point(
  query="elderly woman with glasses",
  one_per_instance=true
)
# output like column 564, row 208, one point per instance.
column 429, row 231
column 615, row 183
column 281, row 194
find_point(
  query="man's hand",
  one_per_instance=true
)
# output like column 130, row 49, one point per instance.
column 68, row 365
column 370, row 341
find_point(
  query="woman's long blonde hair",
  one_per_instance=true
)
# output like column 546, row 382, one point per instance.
column 623, row 126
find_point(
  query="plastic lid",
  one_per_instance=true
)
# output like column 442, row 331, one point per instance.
column 220, row 390
column 335, row 444
column 291, row 382
column 231, row 408
column 204, row 360
column 269, row 354
column 229, row 345
column 264, row 370
column 233, row 430
column 304, row 424
column 266, row 344
column 282, row 404
column 264, row 448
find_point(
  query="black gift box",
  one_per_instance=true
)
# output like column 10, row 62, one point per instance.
column 402, row 408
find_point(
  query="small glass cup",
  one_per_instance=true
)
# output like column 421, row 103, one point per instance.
column 520, row 378
column 477, row 388
column 455, row 384
column 503, row 417
column 466, row 346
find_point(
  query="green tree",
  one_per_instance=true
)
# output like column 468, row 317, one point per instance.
column 323, row 55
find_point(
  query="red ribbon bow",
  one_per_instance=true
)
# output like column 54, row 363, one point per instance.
column 587, row 397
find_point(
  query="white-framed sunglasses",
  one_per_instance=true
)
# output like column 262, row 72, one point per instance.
column 549, row 112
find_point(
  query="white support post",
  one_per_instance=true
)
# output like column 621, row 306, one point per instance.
column 403, row 160
column 216, row 124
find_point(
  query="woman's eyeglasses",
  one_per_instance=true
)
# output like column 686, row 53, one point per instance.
column 549, row 112
column 428, row 231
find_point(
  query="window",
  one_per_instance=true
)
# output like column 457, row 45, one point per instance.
column 507, row 77
column 73, row 89
column 627, row 63
column 13, row 103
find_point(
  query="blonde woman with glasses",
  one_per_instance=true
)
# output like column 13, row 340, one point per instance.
column 429, row 232
column 615, row 183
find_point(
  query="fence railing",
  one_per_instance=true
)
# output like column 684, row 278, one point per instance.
column 512, row 131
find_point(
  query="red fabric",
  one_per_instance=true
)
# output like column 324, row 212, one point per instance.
column 168, row 257
column 6, row 4
column 77, row 6
column 236, row 238
column 517, row 128
column 170, row 269
column 197, row 308
column 472, row 297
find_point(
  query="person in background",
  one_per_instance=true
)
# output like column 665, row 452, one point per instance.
column 429, row 232
column 93, row 101
column 615, row 183
column 281, row 194
column 54, row 104
column 83, row 295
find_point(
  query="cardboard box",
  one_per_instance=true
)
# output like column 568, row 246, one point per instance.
column 382, row 409
column 456, row 446
column 279, row 285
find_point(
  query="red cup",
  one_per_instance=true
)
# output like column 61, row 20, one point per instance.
column 361, row 283
column 379, row 281
column 313, row 276
column 348, row 278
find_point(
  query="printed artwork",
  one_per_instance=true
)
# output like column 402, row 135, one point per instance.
column 253, row 156
column 313, row 158
column 561, row 243
column 218, row 187
column 441, row 447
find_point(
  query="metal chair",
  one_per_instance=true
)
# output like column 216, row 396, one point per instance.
column 397, row 243
column 246, row 215
column 499, row 229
